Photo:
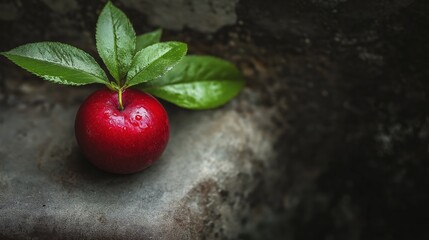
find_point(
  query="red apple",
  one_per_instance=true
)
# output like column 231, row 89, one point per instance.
column 122, row 141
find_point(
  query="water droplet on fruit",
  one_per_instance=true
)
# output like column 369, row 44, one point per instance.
column 138, row 117
column 124, row 128
column 115, row 114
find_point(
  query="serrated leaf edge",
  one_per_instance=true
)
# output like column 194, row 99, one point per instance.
column 107, row 7
column 102, row 81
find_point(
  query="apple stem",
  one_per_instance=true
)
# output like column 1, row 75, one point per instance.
column 121, row 106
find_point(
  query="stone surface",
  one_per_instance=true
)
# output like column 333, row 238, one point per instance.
column 48, row 187
column 202, row 15
column 329, row 140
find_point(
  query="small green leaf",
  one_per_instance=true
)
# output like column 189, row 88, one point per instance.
column 58, row 62
column 116, row 40
column 198, row 82
column 154, row 61
column 148, row 39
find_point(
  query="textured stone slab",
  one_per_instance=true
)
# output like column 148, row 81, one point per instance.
column 49, row 189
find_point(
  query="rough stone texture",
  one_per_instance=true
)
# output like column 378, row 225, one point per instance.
column 329, row 140
column 47, row 186
column 201, row 15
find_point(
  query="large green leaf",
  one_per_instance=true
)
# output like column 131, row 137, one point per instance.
column 154, row 61
column 116, row 40
column 58, row 62
column 148, row 39
column 198, row 82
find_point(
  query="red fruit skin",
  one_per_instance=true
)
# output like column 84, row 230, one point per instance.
column 124, row 141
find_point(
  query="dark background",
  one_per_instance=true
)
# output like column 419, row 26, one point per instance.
column 354, row 79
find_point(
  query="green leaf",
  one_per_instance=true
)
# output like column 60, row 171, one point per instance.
column 198, row 82
column 148, row 39
column 154, row 61
column 116, row 41
column 58, row 62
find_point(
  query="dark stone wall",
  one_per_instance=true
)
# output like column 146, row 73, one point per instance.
column 349, row 79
